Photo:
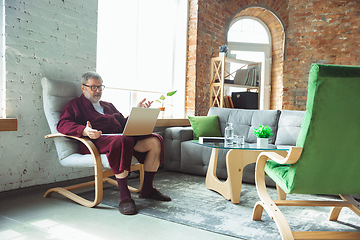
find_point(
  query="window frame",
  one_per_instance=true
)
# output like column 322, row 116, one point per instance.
column 265, row 85
column 178, row 69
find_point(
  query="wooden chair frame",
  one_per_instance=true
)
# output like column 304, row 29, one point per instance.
column 101, row 176
column 271, row 206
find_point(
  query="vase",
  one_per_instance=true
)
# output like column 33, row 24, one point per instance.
column 162, row 112
column 262, row 142
column 222, row 54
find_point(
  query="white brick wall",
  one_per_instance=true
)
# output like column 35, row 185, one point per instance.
column 52, row 38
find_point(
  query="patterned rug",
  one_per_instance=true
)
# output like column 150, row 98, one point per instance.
column 194, row 205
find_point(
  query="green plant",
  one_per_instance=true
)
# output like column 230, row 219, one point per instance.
column 224, row 48
column 263, row 131
column 162, row 97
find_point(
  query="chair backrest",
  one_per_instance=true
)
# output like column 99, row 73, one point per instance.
column 330, row 133
column 56, row 94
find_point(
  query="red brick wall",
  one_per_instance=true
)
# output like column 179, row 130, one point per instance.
column 209, row 17
column 321, row 31
column 190, row 88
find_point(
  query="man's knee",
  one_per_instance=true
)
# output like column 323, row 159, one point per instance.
column 155, row 143
column 148, row 144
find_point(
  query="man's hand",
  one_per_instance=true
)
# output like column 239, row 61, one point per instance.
column 91, row 133
column 145, row 104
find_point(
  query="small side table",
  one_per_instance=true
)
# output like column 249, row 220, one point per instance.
column 236, row 159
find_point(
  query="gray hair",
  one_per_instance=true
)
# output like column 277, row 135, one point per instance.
column 88, row 75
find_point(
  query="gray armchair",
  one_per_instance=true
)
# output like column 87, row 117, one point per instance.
column 56, row 94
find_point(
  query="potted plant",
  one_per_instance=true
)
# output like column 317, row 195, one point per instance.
column 162, row 98
column 223, row 49
column 263, row 133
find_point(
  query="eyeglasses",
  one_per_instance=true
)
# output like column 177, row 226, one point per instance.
column 94, row 88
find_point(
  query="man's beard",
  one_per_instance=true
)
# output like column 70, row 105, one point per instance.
column 88, row 96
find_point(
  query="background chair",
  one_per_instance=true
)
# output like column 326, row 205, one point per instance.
column 56, row 94
column 325, row 160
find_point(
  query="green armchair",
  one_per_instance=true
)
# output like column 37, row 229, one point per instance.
column 325, row 160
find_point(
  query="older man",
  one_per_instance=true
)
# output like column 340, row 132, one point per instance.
column 88, row 116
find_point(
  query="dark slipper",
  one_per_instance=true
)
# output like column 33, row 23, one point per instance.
column 127, row 207
column 156, row 195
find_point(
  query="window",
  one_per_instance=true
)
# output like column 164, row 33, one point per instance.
column 249, row 39
column 141, row 51
column 248, row 30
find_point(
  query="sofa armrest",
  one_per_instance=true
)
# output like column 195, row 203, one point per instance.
column 173, row 138
column 179, row 133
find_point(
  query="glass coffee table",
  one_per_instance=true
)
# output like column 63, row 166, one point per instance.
column 237, row 158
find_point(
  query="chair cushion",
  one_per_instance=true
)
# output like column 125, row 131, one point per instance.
column 86, row 160
column 56, row 94
column 205, row 126
column 281, row 174
column 329, row 136
column 61, row 88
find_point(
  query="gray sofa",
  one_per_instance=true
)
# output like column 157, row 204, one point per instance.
column 184, row 156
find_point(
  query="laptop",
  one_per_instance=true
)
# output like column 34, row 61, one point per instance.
column 141, row 121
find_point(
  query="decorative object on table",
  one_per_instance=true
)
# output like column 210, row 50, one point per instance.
column 239, row 140
column 229, row 134
column 161, row 100
column 205, row 126
column 211, row 140
column 223, row 49
column 263, row 133
column 232, row 55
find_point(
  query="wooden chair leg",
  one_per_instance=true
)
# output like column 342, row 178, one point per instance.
column 271, row 207
column 281, row 194
column 267, row 203
column 67, row 192
column 100, row 176
column 355, row 207
column 334, row 213
column 257, row 211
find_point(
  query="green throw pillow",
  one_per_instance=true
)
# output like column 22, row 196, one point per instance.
column 205, row 126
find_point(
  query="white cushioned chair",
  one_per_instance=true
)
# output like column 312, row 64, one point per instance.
column 56, row 94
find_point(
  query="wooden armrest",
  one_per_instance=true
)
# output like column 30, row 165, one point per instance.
column 291, row 158
column 52, row 135
column 85, row 140
column 81, row 139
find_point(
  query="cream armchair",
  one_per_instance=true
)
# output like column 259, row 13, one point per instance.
column 56, row 94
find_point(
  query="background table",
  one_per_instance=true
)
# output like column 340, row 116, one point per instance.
column 236, row 159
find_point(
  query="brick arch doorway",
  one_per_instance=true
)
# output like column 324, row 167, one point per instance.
column 278, row 47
